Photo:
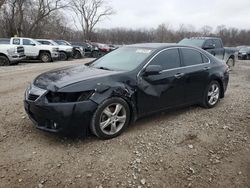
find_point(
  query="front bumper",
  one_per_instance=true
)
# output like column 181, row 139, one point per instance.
column 60, row 117
column 16, row 57
column 243, row 56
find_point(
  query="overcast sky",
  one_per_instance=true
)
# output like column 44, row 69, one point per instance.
column 151, row 13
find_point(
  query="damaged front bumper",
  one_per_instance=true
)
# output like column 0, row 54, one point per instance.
column 59, row 117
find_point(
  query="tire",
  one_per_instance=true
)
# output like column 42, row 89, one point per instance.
column 95, row 54
column 77, row 55
column 230, row 62
column 212, row 95
column 63, row 56
column 45, row 57
column 4, row 61
column 113, row 122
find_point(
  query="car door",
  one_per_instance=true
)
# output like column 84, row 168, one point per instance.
column 196, row 70
column 164, row 90
column 218, row 48
column 29, row 48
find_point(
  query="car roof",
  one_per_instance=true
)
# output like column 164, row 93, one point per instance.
column 160, row 46
column 204, row 38
column 152, row 45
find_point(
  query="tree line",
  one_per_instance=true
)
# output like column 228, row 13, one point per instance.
column 50, row 19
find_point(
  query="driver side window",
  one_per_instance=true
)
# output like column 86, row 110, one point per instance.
column 168, row 59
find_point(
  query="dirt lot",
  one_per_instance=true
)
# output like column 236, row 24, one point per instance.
column 190, row 147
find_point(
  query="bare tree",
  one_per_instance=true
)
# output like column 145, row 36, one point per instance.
column 2, row 3
column 89, row 13
column 27, row 17
column 206, row 30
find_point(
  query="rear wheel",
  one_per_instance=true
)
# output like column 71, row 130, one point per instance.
column 110, row 118
column 45, row 57
column 212, row 94
column 63, row 56
column 4, row 61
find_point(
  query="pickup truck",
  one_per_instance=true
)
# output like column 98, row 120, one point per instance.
column 214, row 46
column 11, row 54
column 35, row 50
column 78, row 51
column 65, row 51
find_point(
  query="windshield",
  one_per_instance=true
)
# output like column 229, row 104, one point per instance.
column 61, row 42
column 35, row 42
column 192, row 42
column 246, row 49
column 125, row 59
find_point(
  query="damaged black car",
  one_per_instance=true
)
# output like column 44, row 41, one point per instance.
column 133, row 81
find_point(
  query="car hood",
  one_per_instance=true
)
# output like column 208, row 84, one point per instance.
column 59, row 78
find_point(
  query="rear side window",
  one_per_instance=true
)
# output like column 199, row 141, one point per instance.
column 205, row 59
column 168, row 59
column 16, row 41
column 191, row 57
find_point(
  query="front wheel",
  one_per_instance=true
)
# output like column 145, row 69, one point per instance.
column 212, row 94
column 110, row 118
column 45, row 57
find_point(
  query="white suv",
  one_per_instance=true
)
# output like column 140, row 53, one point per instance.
column 65, row 51
column 36, row 50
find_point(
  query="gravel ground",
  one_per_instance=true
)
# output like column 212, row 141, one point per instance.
column 190, row 147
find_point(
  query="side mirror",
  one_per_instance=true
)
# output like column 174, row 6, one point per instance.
column 33, row 44
column 152, row 70
column 209, row 47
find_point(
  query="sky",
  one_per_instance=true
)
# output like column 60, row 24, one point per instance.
column 150, row 13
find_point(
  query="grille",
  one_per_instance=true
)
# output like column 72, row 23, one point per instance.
column 20, row 49
column 32, row 97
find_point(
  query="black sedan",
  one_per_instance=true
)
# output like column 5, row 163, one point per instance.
column 244, row 53
column 124, row 85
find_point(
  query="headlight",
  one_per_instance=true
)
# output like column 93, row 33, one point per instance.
column 55, row 49
column 60, row 97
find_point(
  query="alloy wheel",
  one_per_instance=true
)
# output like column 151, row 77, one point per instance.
column 213, row 94
column 113, row 118
column 45, row 58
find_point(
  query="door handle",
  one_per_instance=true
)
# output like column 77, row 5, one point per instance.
column 179, row 75
column 206, row 68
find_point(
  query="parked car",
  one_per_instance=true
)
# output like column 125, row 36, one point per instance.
column 124, row 85
column 88, row 48
column 244, row 53
column 10, row 54
column 99, row 50
column 214, row 46
column 35, row 50
column 65, row 51
column 78, row 51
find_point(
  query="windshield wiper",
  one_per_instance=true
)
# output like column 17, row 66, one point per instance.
column 103, row 68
